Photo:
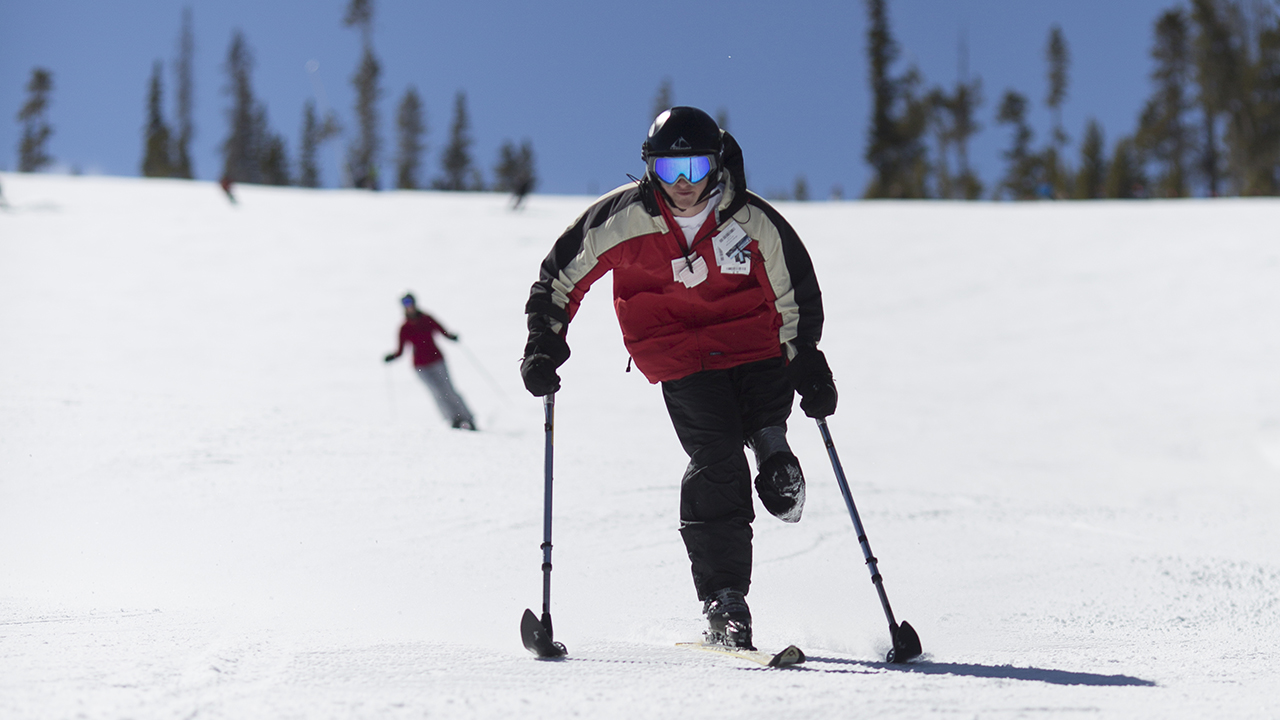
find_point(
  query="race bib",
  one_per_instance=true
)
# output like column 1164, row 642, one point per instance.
column 731, row 250
column 690, row 272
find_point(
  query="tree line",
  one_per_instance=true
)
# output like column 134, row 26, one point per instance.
column 1210, row 127
column 252, row 152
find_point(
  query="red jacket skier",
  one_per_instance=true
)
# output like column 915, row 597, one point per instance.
column 419, row 330
column 718, row 301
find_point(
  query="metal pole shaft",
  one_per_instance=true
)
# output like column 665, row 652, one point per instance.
column 876, row 579
column 548, row 404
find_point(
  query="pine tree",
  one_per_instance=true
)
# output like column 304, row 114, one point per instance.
column 722, row 118
column 664, row 99
column 411, row 126
column 515, row 168
column 314, row 134
column 801, row 191
column 1091, row 178
column 362, row 157
column 899, row 118
column 33, row 153
column 964, row 103
column 275, row 161
column 1058, row 58
column 951, row 117
column 240, row 150
column 156, row 142
column 1022, row 177
column 1267, row 83
column 459, row 172
column 185, row 92
column 1125, row 178
column 360, row 14
column 1217, row 74
column 251, row 153
column 1164, row 132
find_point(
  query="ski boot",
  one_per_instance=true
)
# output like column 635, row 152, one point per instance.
column 728, row 619
column 780, row 485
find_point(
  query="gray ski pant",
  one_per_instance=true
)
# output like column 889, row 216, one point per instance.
column 436, row 376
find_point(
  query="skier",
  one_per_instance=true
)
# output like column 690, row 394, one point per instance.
column 717, row 301
column 419, row 330
column 226, row 183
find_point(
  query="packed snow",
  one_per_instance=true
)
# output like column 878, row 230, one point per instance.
column 1060, row 422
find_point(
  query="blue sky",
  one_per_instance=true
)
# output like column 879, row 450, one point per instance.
column 576, row 78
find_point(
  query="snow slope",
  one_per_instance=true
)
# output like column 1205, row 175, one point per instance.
column 1061, row 423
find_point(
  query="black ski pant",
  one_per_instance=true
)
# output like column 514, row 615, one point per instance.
column 714, row 413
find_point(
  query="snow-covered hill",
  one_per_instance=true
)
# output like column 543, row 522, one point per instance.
column 1061, row 423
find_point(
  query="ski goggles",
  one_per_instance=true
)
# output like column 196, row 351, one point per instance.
column 694, row 168
column 407, row 301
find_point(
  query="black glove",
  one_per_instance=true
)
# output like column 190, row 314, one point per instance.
column 452, row 336
column 543, row 353
column 811, row 377
column 390, row 357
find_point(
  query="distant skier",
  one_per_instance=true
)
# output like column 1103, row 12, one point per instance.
column 718, row 301
column 419, row 330
column 521, row 190
column 226, row 184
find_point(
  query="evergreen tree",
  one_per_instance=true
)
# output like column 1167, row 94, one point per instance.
column 515, row 168
column 801, row 192
column 1164, row 132
column 722, row 118
column 362, row 157
column 314, row 135
column 1125, row 178
column 360, row 14
column 1217, row 74
column 1267, row 83
column 185, row 92
column 251, row 153
column 275, row 161
column 240, row 150
column 411, row 126
column 664, row 99
column 951, row 117
column 895, row 146
column 1058, row 58
column 156, row 161
column 1091, row 178
column 459, row 172
column 33, row 153
column 1022, row 178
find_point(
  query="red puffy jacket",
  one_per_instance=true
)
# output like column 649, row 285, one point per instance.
column 732, row 317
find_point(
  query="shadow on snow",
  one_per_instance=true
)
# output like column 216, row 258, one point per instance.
column 1001, row 672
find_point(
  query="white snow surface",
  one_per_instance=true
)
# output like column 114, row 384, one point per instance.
column 1060, row 422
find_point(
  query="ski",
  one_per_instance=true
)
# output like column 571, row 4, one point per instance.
column 789, row 656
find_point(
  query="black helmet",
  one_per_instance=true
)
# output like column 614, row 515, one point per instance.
column 682, row 131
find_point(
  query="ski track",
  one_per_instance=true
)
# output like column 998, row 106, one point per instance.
column 1060, row 422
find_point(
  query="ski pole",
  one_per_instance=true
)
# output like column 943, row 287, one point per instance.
column 537, row 634
column 476, row 362
column 906, row 643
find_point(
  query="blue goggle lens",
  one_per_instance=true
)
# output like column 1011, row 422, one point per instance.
column 694, row 169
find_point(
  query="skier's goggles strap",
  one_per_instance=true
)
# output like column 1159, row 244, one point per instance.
column 693, row 168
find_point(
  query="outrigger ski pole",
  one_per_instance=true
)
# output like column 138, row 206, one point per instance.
column 906, row 643
column 537, row 634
